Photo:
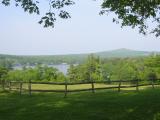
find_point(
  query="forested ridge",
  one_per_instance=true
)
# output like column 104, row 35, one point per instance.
column 94, row 68
column 71, row 58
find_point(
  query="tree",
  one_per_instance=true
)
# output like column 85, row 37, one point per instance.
column 153, row 61
column 153, row 65
column 39, row 73
column 134, row 13
column 93, row 68
column 72, row 73
column 3, row 73
column 15, row 75
column 32, row 6
column 152, row 76
column 6, row 63
column 89, row 71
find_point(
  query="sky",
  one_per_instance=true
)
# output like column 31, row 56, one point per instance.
column 85, row 32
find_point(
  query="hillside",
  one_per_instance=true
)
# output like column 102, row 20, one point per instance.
column 123, row 53
column 72, row 58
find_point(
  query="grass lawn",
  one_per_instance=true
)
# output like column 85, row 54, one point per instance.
column 103, row 105
column 75, row 87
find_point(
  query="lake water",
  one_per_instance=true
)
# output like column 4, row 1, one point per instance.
column 61, row 67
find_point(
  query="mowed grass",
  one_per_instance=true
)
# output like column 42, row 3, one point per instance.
column 78, row 86
column 102, row 105
column 69, row 87
column 62, row 87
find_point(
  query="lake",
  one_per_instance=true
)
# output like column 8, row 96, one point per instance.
column 61, row 67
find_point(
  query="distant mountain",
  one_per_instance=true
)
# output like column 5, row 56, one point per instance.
column 73, row 58
column 123, row 52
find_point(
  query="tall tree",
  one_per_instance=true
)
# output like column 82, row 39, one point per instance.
column 3, row 73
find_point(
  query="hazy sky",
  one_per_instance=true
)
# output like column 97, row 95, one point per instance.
column 85, row 32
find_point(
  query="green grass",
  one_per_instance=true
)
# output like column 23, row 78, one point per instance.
column 70, row 87
column 77, row 87
column 103, row 105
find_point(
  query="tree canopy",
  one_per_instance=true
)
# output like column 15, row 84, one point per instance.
column 92, row 69
column 133, row 13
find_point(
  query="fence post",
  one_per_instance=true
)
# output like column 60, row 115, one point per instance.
column 65, row 92
column 152, row 83
column 137, row 85
column 119, row 86
column 92, row 84
column 29, row 87
column 3, row 84
column 9, row 85
column 20, row 88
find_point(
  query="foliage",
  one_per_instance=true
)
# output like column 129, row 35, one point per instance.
column 39, row 73
column 56, row 9
column 152, row 76
column 130, row 68
column 42, row 59
column 71, row 58
column 93, row 69
column 15, row 75
column 6, row 63
column 153, row 61
column 88, row 71
column 135, row 13
column 3, row 73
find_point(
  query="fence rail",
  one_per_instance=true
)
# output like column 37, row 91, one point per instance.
column 133, row 83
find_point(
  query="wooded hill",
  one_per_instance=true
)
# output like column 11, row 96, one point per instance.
column 73, row 58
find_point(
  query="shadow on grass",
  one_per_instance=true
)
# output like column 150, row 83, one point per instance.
column 103, row 105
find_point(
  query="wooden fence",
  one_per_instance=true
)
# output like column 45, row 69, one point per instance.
column 132, row 84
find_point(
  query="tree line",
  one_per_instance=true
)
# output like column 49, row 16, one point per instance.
column 92, row 69
column 41, row 59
